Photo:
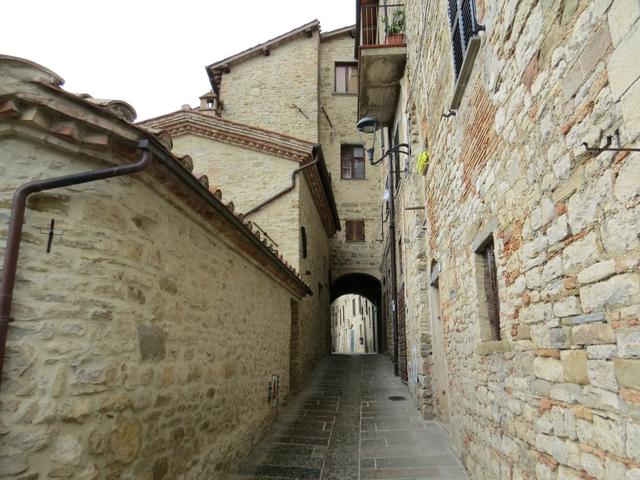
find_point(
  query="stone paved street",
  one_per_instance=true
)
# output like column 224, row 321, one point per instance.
column 344, row 426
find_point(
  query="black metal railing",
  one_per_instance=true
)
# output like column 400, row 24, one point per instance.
column 382, row 25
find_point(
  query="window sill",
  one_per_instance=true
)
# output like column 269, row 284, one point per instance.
column 493, row 346
column 355, row 241
column 353, row 179
column 344, row 94
column 465, row 71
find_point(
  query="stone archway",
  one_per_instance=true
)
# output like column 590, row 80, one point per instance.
column 369, row 287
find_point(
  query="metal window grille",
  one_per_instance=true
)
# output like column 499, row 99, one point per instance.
column 491, row 289
column 463, row 23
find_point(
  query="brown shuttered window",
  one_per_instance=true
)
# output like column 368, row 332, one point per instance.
column 355, row 230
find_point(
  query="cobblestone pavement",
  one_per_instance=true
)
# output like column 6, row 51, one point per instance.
column 345, row 426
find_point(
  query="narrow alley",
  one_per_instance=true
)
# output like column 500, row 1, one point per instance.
column 355, row 420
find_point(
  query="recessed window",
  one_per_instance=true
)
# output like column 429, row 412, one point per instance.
column 346, row 78
column 352, row 162
column 303, row 242
column 355, row 230
column 487, row 281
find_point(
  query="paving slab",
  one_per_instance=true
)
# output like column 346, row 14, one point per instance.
column 354, row 421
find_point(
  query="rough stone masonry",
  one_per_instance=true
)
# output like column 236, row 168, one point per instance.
column 558, row 397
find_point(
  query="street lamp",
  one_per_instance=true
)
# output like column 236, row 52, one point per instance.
column 370, row 124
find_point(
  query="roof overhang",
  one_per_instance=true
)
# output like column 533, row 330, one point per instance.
column 217, row 69
column 32, row 105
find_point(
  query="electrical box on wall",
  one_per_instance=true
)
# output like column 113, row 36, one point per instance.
column 274, row 391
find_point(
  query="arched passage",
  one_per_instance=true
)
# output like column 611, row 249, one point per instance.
column 369, row 287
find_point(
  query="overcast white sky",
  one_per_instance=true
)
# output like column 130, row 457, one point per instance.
column 150, row 53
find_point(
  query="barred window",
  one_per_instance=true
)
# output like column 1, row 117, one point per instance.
column 488, row 283
column 462, row 19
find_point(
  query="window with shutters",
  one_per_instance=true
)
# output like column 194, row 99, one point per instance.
column 346, row 78
column 487, row 281
column 464, row 43
column 352, row 162
column 354, row 230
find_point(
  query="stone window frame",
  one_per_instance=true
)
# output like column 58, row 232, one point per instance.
column 488, row 342
column 349, row 66
column 465, row 44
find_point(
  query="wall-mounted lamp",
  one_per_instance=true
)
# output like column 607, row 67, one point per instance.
column 369, row 124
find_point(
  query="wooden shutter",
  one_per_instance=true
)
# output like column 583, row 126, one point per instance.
column 349, row 227
column 359, row 234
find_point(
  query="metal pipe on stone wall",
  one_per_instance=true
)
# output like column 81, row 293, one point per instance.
column 294, row 174
column 14, row 234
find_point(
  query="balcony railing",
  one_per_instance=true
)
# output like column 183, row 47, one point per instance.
column 381, row 25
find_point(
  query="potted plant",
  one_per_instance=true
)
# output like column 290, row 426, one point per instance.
column 395, row 28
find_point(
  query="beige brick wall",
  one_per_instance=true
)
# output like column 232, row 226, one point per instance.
column 355, row 199
column 247, row 178
column 142, row 344
column 267, row 91
column 562, row 401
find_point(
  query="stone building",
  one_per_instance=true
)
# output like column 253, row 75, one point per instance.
column 280, row 184
column 256, row 87
column 148, row 318
column 353, row 323
column 516, row 252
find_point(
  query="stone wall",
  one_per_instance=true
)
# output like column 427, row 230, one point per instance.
column 559, row 395
column 355, row 199
column 143, row 343
column 412, row 266
column 278, row 92
column 315, row 332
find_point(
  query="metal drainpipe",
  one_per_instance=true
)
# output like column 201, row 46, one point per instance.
column 294, row 174
column 394, row 279
column 14, row 233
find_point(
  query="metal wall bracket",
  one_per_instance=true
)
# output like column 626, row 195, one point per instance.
column 51, row 232
column 607, row 146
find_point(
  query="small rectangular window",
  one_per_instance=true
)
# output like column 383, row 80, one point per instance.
column 303, row 242
column 346, row 77
column 352, row 162
column 353, row 302
column 355, row 231
column 487, row 277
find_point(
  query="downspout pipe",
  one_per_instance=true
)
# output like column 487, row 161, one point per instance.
column 394, row 277
column 281, row 193
column 14, row 234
